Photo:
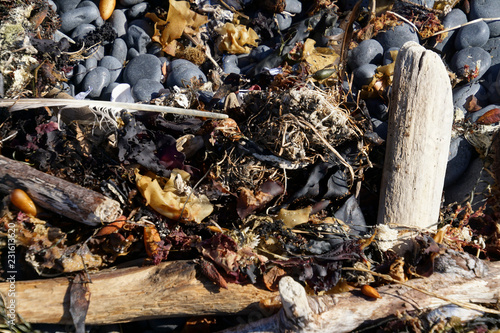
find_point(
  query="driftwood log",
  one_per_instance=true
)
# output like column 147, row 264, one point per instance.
column 418, row 140
column 57, row 195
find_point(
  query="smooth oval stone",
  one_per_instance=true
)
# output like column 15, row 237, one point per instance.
column 454, row 18
column 119, row 23
column 144, row 89
column 461, row 94
column 129, row 3
column 79, row 72
column 363, row 74
column 387, row 59
column 377, row 108
column 486, row 9
column 78, row 16
column 82, row 30
column 122, row 93
column 97, row 79
column 132, row 53
column 260, row 52
column 156, row 49
column 96, row 52
column 330, row 32
column 106, row 92
column 293, row 6
column 145, row 24
column 284, row 21
column 459, row 159
column 466, row 61
column 380, row 127
column 471, row 35
column 66, row 5
column 367, row 52
column 491, row 76
column 397, row 36
column 138, row 10
column 113, row 65
column 230, row 64
column 119, row 50
column 91, row 63
column 473, row 117
column 182, row 71
column 137, row 38
column 144, row 66
column 98, row 22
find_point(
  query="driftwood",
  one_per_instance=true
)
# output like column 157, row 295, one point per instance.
column 418, row 140
column 57, row 195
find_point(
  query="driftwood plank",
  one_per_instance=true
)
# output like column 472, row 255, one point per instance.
column 420, row 120
column 170, row 289
column 58, row 195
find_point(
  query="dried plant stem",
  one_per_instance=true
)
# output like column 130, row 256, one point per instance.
column 470, row 306
column 465, row 24
column 404, row 19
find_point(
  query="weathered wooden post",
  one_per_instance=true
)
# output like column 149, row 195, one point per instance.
column 418, row 140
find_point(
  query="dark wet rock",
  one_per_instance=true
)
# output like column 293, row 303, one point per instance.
column 113, row 65
column 471, row 35
column 78, row 16
column 377, row 108
column 181, row 72
column 461, row 94
column 380, row 127
column 138, row 10
column 293, row 6
column 397, row 36
column 80, row 31
column 486, row 9
column 459, row 159
column 79, row 72
column 119, row 50
column 130, row 3
column 137, row 38
column 155, row 49
column 145, row 89
column 205, row 96
column 119, row 22
column 364, row 74
column 473, row 117
column 97, row 79
column 465, row 62
column 230, row 64
column 330, row 32
column 367, row 52
column 144, row 66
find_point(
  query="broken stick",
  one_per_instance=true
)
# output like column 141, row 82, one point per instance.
column 58, row 195
column 418, row 140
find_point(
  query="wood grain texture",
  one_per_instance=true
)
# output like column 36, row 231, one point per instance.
column 418, row 140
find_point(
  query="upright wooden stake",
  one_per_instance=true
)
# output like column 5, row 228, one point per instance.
column 418, row 141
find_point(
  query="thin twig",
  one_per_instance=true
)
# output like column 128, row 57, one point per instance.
column 463, row 25
column 231, row 8
column 404, row 19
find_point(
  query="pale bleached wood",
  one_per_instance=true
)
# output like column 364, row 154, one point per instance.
column 464, row 279
column 170, row 289
column 58, row 195
column 418, row 140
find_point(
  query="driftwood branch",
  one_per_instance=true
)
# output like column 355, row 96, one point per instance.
column 419, row 133
column 57, row 195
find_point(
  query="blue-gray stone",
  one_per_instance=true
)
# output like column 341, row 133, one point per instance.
column 377, row 108
column 119, row 23
column 459, row 158
column 367, row 52
column 474, row 116
column 259, row 53
column 380, row 127
column 293, row 6
column 113, row 65
column 492, row 74
column 230, row 64
column 79, row 72
column 130, row 3
column 2, row 89
column 97, row 79
column 145, row 89
column 119, row 50
column 132, row 53
column 137, row 38
column 82, row 30
column 397, row 36
column 145, row 24
column 156, row 49
column 106, row 92
column 144, row 66
column 363, row 74
column 96, row 52
column 205, row 96
column 284, row 21
column 476, row 34
column 138, row 10
column 78, row 16
column 454, row 18
column 331, row 32
column 387, row 59
column 91, row 63
column 181, row 72
column 486, row 9
column 98, row 22
column 66, row 5
column 426, row 3
column 467, row 61
column 461, row 94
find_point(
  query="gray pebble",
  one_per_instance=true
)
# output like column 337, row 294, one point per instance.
column 466, row 61
column 492, row 74
column 380, row 127
column 137, row 10
column 119, row 50
column 284, row 21
column 145, row 24
column 367, row 52
column 99, row 22
column 130, row 3
column 137, row 38
column 181, row 72
column 471, row 35
column 426, row 3
column 387, row 59
column 90, row 63
column 461, row 94
column 486, row 9
column 144, row 89
column 377, row 108
column 397, row 36
column 363, row 74
column 106, row 92
column 119, row 22
column 230, row 64
column 113, row 65
column 459, row 159
column 155, row 49
column 144, row 66
column 132, row 53
column 330, row 32
column 79, row 72
column 97, row 79
column 78, row 16
column 82, row 30
column 95, row 52
column 293, row 6
column 454, row 18
column 474, row 116
column 66, row 5
column 260, row 52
